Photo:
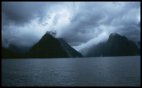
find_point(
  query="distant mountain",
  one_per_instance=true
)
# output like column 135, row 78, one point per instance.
column 50, row 47
column 138, row 43
column 7, row 53
column 47, row 47
column 14, row 51
column 19, row 49
column 116, row 45
column 139, row 46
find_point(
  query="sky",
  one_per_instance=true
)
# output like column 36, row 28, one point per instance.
column 80, row 24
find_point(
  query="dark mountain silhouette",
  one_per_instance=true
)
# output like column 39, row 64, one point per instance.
column 116, row 45
column 50, row 47
column 7, row 53
column 70, row 51
column 19, row 49
column 14, row 51
column 47, row 47
column 138, row 43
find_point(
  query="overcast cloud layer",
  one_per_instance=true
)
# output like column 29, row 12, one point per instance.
column 81, row 24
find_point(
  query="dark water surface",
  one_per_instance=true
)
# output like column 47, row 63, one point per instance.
column 97, row 71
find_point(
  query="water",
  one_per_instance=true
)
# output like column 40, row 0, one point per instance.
column 97, row 71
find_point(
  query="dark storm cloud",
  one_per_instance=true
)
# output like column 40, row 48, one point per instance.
column 115, row 17
column 133, row 33
column 81, row 24
column 16, row 21
column 23, row 12
column 81, row 27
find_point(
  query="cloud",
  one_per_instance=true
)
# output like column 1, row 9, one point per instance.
column 19, row 12
column 92, row 19
column 22, row 22
column 81, row 24
column 24, row 12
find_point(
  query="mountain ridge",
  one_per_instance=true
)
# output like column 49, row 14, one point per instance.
column 47, row 47
column 116, row 45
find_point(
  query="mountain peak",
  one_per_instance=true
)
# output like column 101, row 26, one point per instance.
column 51, row 47
column 114, row 34
column 116, row 37
column 116, row 45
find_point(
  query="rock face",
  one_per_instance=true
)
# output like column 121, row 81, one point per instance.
column 116, row 45
column 50, row 47
column 70, row 51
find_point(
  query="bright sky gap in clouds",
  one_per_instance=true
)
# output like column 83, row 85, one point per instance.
column 81, row 24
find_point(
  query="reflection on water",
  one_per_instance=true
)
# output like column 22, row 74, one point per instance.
column 100, row 71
